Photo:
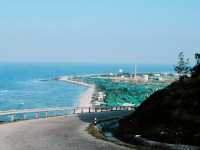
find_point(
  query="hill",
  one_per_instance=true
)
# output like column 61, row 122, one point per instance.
column 171, row 115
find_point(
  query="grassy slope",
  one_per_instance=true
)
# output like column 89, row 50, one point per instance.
column 170, row 115
column 118, row 93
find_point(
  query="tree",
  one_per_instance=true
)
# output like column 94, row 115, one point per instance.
column 183, row 66
column 196, row 69
column 197, row 57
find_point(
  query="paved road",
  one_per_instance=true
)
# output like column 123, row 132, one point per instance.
column 60, row 133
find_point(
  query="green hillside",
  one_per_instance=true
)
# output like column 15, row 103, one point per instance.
column 170, row 115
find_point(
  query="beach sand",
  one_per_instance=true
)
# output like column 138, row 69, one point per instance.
column 85, row 98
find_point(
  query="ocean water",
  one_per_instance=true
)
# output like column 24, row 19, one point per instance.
column 31, row 85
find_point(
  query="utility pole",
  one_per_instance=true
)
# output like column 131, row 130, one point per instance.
column 135, row 71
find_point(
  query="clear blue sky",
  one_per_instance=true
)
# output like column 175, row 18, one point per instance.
column 127, row 31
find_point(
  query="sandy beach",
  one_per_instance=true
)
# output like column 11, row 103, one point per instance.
column 85, row 98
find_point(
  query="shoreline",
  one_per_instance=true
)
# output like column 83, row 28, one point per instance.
column 70, row 80
column 85, row 98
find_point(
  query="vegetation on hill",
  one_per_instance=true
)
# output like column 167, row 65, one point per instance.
column 118, row 93
column 170, row 115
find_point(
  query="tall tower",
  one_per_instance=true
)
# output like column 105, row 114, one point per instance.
column 135, row 74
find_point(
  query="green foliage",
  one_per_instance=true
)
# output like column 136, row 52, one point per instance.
column 171, row 115
column 183, row 66
column 197, row 57
column 118, row 93
column 196, row 69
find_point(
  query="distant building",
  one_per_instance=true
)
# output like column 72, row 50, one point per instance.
column 128, row 104
column 135, row 73
column 122, row 76
column 165, row 74
column 101, row 96
column 120, row 70
column 157, row 76
column 146, row 77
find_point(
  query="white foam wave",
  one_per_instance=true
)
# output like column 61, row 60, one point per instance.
column 4, row 91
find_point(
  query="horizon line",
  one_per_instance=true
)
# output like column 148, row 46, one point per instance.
column 97, row 63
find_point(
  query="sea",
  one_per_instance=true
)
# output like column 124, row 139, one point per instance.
column 32, row 85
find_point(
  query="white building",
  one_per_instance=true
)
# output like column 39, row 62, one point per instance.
column 111, row 74
column 101, row 96
column 158, row 77
column 122, row 76
column 120, row 70
column 146, row 77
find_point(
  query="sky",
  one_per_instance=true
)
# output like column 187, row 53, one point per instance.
column 99, row 31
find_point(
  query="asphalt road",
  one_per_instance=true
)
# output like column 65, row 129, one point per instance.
column 59, row 133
